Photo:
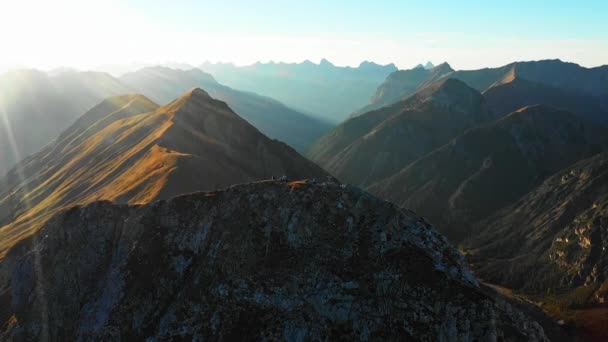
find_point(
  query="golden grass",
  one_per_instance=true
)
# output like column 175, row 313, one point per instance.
column 123, row 162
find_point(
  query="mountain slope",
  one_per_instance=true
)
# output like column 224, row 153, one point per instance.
column 377, row 144
column 551, row 246
column 52, row 102
column 556, row 233
column 138, row 153
column 403, row 83
column 516, row 92
column 325, row 90
column 259, row 261
column 491, row 166
column 271, row 117
column 573, row 82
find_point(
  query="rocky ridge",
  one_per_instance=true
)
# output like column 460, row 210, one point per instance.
column 267, row 260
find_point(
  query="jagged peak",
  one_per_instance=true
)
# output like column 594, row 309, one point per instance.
column 374, row 65
column 326, row 62
column 442, row 68
column 189, row 101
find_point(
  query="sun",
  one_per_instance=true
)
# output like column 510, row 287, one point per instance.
column 81, row 34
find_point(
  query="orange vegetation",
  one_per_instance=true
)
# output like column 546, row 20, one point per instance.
column 129, row 150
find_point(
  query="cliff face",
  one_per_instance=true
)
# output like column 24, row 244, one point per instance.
column 264, row 260
column 557, row 234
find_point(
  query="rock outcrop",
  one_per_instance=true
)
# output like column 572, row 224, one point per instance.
column 557, row 233
column 264, row 261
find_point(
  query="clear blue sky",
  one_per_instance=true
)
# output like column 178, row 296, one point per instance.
column 540, row 19
column 468, row 34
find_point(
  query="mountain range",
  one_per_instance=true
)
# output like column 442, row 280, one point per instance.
column 138, row 199
column 273, row 118
column 323, row 90
column 55, row 101
column 491, row 166
column 550, row 82
column 498, row 184
column 127, row 149
column 373, row 146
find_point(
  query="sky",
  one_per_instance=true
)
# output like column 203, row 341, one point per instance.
column 467, row 34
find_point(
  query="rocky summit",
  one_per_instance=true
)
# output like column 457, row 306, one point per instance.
column 264, row 261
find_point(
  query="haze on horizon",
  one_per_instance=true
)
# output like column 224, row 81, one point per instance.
column 469, row 35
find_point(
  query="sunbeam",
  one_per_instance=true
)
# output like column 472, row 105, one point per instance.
column 39, row 272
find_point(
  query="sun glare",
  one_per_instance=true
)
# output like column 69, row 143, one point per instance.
column 66, row 33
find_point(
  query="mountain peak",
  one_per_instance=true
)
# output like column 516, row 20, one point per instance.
column 190, row 100
column 429, row 65
column 325, row 62
column 450, row 94
column 197, row 92
column 443, row 68
column 369, row 65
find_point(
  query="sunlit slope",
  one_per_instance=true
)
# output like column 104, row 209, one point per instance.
column 129, row 150
column 271, row 117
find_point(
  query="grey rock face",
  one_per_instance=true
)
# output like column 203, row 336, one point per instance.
column 263, row 261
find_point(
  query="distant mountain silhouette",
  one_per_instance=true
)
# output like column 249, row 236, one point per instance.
column 368, row 148
column 491, row 166
column 129, row 150
column 323, row 90
column 274, row 119
column 36, row 107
